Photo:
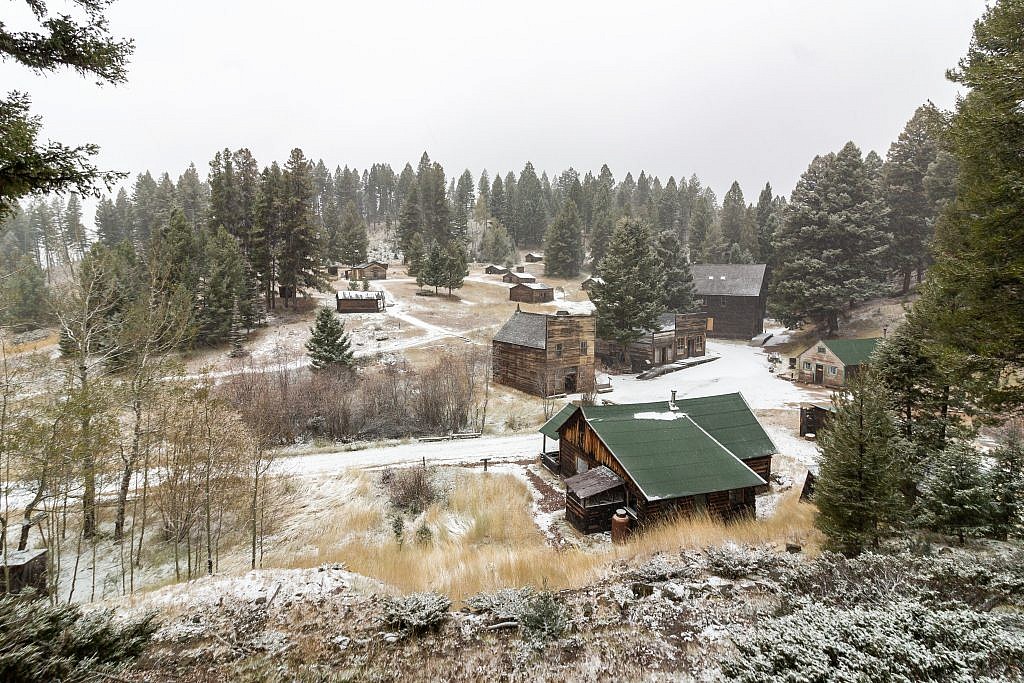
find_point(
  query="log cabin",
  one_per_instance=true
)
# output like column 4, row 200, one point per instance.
column 831, row 362
column 518, row 278
column 664, row 458
column 678, row 336
column 733, row 296
column 531, row 293
column 545, row 355
column 591, row 282
column 492, row 269
column 371, row 270
column 533, row 257
column 360, row 302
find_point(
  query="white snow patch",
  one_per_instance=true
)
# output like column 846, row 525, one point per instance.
column 653, row 415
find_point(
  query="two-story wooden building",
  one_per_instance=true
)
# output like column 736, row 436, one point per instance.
column 545, row 355
column 831, row 362
column 371, row 270
column 734, row 297
column 658, row 459
column 678, row 336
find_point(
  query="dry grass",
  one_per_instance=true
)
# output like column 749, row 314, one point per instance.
column 484, row 538
column 48, row 341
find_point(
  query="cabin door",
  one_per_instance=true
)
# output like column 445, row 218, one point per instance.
column 819, row 374
column 570, row 383
column 691, row 348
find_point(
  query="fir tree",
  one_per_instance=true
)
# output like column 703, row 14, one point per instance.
column 353, row 237
column 1006, row 481
column 236, row 333
column 432, row 272
column 301, row 248
column 496, row 245
column 328, row 346
column 415, row 254
column 679, row 291
column 453, row 268
column 223, row 284
column 630, row 301
column 857, row 488
column 733, row 213
column 410, row 221
column 531, row 215
column 563, row 244
column 955, row 495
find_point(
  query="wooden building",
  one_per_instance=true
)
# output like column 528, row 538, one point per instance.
column 733, row 296
column 531, row 293
column 814, row 416
column 533, row 257
column 360, row 302
column 669, row 457
column 23, row 569
column 518, row 278
column 678, row 336
column 591, row 282
column 492, row 269
column 333, row 269
column 830, row 362
column 545, row 355
column 371, row 270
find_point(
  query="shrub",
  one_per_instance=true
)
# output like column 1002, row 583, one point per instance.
column 542, row 617
column 43, row 642
column 416, row 612
column 732, row 561
column 507, row 604
column 411, row 488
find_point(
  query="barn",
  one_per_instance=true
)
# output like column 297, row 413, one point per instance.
column 733, row 296
column 830, row 362
column 531, row 293
column 518, row 278
column 371, row 270
column 545, row 355
column 360, row 302
column 492, row 269
column 533, row 257
column 655, row 460
column 678, row 336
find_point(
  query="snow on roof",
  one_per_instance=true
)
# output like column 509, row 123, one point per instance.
column 728, row 279
column 350, row 294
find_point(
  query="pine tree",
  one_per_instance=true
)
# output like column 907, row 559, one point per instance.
column 496, row 245
column 108, row 227
column 857, row 487
column 955, row 495
column 733, row 213
column 328, row 346
column 432, row 273
column 679, row 291
column 563, row 244
column 353, row 237
column 415, row 254
column 301, row 248
column 631, row 299
column 1006, row 481
column 454, row 270
column 410, row 221
column 531, row 215
column 236, row 333
column 831, row 243
column 223, row 284
column 603, row 225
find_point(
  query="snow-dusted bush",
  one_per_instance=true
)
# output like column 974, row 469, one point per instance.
column 410, row 488
column 900, row 642
column 506, row 604
column 416, row 612
column 733, row 561
column 542, row 617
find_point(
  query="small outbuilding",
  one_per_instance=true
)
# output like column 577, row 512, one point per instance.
column 591, row 282
column 492, row 269
column 814, row 416
column 533, row 257
column 591, row 499
column 23, row 569
column 531, row 293
column 371, row 270
column 831, row 362
column 333, row 269
column 360, row 302
column 518, row 278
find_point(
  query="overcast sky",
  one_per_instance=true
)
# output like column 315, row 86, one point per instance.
column 726, row 89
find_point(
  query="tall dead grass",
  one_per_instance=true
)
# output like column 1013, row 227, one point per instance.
column 485, row 538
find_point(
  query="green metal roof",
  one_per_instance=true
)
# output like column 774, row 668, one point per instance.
column 852, row 351
column 551, row 427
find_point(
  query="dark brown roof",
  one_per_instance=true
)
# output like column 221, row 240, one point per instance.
column 728, row 279
column 533, row 285
column 592, row 482
column 524, row 329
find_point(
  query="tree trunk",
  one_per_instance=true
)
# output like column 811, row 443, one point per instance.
column 906, row 280
column 88, row 462
column 129, row 467
column 833, row 323
column 26, row 524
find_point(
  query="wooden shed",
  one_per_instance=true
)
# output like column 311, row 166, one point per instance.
column 360, row 302
column 673, row 457
column 591, row 282
column 371, row 270
column 814, row 416
column 733, row 296
column 22, row 569
column 678, row 336
column 545, row 355
column 531, row 293
column 492, row 269
column 830, row 362
column 533, row 257
column 591, row 498
column 518, row 278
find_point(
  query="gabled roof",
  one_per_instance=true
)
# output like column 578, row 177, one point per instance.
column 524, row 277
column 852, row 351
column 697, row 447
column 728, row 279
column 592, row 482
column 524, row 329
column 594, row 279
column 368, row 264
column 534, row 285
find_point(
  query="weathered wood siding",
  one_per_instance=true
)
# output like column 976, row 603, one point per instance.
column 808, row 362
column 358, row 306
column 590, row 520
column 570, row 350
column 530, row 295
column 519, row 367
column 734, row 317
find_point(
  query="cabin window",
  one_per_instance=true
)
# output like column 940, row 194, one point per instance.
column 833, row 370
column 583, row 348
column 821, row 348
column 807, row 365
column 581, row 466
column 558, row 350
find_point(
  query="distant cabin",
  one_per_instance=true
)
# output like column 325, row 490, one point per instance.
column 678, row 336
column 545, row 355
column 333, row 269
column 733, row 296
column 831, row 362
column 520, row 269
column 492, row 269
column 518, row 278
column 531, row 293
column 533, row 257
column 23, row 569
column 591, row 282
column 371, row 270
column 656, row 460
column 360, row 302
